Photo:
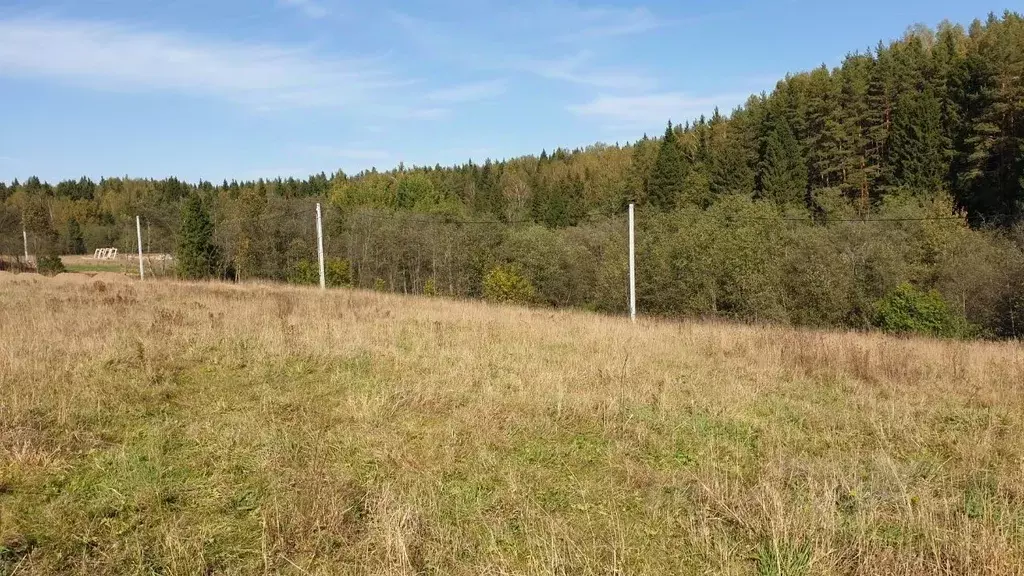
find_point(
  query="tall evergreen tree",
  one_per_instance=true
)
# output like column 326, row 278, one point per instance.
column 550, row 206
column 782, row 174
column 917, row 151
column 43, row 237
column 576, row 188
column 638, row 178
column 251, row 239
column 825, row 141
column 731, row 172
column 196, row 255
column 669, row 172
column 75, row 243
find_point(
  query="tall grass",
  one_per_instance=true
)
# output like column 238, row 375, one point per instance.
column 186, row 429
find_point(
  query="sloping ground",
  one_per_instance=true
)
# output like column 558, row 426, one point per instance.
column 184, row 429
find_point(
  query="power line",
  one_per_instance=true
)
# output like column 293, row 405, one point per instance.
column 422, row 218
column 268, row 218
column 808, row 220
column 827, row 220
column 440, row 220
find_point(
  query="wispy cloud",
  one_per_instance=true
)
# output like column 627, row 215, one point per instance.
column 601, row 23
column 427, row 36
column 415, row 113
column 112, row 56
column 650, row 110
column 470, row 92
column 577, row 69
column 8, row 159
column 308, row 8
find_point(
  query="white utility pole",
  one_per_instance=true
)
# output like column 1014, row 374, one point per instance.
column 632, row 268
column 320, row 246
column 138, row 232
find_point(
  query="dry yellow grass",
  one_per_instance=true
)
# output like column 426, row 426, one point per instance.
column 187, row 429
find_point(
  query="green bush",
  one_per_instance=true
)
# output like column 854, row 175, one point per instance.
column 430, row 287
column 907, row 310
column 50, row 265
column 304, row 272
column 506, row 284
column 336, row 272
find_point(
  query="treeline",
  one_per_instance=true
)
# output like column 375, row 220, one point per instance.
column 809, row 205
column 741, row 259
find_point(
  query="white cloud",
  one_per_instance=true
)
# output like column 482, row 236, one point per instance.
column 468, row 92
column 414, row 113
column 308, row 7
column 425, row 35
column 591, row 25
column 574, row 69
column 601, row 23
column 650, row 110
column 110, row 56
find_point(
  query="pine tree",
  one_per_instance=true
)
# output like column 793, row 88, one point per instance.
column 669, row 173
column 43, row 237
column 75, row 241
column 733, row 154
column 730, row 172
column 828, row 131
column 916, row 145
column 782, row 173
column 876, row 127
column 993, row 150
column 251, row 242
column 550, row 206
column 576, row 201
column 638, row 178
column 488, row 191
column 196, row 255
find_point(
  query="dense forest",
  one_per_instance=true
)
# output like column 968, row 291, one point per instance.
column 888, row 191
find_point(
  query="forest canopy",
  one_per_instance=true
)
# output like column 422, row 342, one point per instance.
column 843, row 191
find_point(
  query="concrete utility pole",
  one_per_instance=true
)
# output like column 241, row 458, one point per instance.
column 320, row 246
column 632, row 268
column 138, row 232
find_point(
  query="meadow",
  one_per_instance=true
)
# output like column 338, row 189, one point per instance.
column 173, row 428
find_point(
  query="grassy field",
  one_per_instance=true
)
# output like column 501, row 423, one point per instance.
column 155, row 266
column 75, row 263
column 164, row 428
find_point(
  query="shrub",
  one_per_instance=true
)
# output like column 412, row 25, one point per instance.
column 336, row 272
column 908, row 310
column 430, row 287
column 506, row 284
column 304, row 272
column 50, row 265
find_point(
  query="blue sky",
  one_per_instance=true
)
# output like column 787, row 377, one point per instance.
column 244, row 89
